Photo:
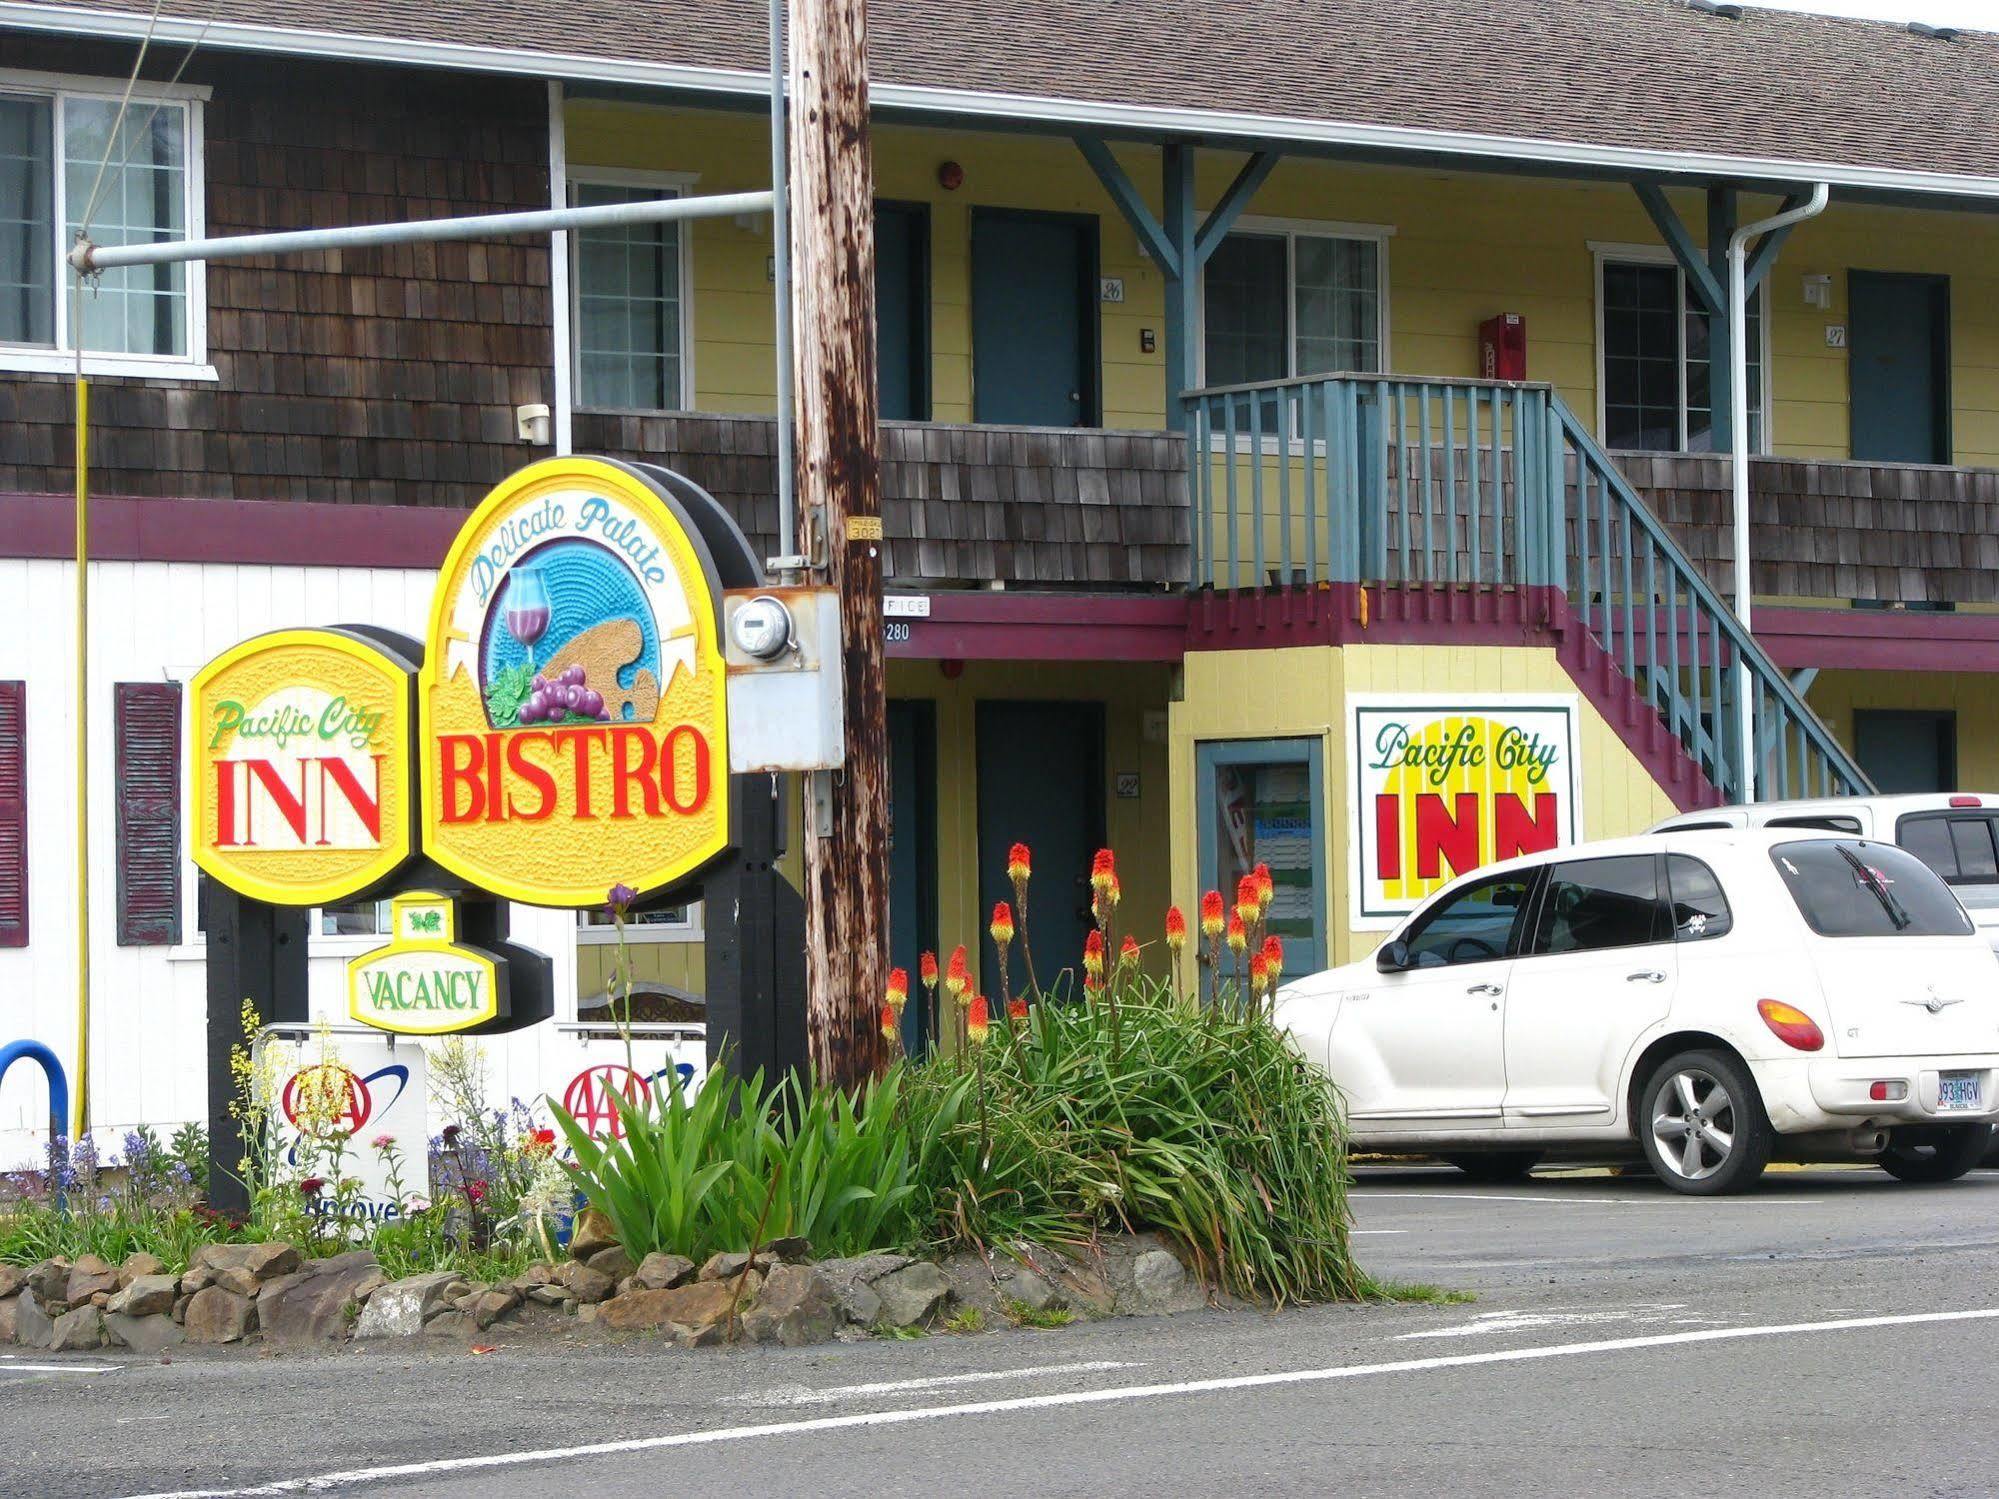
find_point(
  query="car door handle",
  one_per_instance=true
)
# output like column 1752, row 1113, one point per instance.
column 1645, row 975
column 1492, row 989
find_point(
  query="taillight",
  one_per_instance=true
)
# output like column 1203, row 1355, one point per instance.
column 1791, row 1025
column 1966, row 801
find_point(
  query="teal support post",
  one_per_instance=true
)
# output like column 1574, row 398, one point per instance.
column 1152, row 237
column 1183, row 283
column 1721, row 222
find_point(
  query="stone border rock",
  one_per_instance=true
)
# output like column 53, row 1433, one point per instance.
column 234, row 1292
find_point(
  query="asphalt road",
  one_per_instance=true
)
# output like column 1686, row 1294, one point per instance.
column 1833, row 1334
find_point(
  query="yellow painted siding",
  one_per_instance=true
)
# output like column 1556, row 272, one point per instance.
column 1464, row 247
column 1302, row 692
column 1972, row 696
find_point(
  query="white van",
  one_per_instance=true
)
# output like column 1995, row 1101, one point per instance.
column 1955, row 833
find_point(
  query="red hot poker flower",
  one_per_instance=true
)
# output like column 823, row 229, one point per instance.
column 1093, row 955
column 898, row 988
column 1002, row 924
column 978, row 1020
column 889, row 1027
column 1213, row 916
column 1273, row 957
column 1176, row 928
column 1266, row 888
column 1016, row 1010
column 1127, row 954
column 926, row 967
column 1259, row 974
column 1113, row 892
column 1238, row 932
column 1246, row 903
column 1019, row 864
column 1103, row 871
column 957, row 977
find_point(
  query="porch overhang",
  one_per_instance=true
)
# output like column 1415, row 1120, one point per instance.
column 1879, row 639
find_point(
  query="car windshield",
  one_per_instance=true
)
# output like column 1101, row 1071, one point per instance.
column 1850, row 887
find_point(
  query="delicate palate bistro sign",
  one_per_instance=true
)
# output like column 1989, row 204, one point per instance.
column 572, row 696
column 567, row 732
column 425, row 983
column 1443, row 784
column 299, row 741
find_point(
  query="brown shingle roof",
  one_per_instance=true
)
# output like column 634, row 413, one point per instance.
column 1650, row 75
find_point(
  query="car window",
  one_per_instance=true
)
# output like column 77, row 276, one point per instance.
column 1822, row 820
column 1958, row 846
column 1593, row 904
column 1699, row 909
column 1475, row 925
column 1853, row 887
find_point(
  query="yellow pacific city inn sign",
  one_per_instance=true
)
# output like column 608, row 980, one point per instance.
column 299, row 741
column 1441, row 785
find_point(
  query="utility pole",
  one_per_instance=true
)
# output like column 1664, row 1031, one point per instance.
column 839, row 490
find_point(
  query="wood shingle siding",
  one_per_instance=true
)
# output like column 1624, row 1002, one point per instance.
column 1878, row 532
column 386, row 375
column 960, row 504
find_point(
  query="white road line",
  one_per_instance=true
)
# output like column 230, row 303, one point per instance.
column 1669, row 1313
column 1588, row 1202
column 1120, row 1393
column 1357, row 1232
column 806, row 1395
column 8, row 1365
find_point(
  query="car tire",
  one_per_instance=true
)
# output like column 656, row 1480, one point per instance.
column 1935, row 1153
column 1494, row 1166
column 1702, row 1125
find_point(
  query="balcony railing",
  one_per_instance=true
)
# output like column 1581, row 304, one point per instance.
column 1469, row 484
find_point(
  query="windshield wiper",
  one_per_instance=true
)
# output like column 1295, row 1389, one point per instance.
column 1896, row 912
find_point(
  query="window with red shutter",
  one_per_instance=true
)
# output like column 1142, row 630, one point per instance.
column 13, row 814
column 148, row 766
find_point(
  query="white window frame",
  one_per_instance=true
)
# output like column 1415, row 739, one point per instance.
column 1605, row 252
column 61, row 360
column 1291, row 229
column 681, row 184
column 688, row 929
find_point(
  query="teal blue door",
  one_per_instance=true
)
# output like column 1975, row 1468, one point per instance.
column 912, row 854
column 1034, row 318
column 902, row 310
column 1898, row 353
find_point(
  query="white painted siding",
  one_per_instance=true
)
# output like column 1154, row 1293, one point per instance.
column 153, row 622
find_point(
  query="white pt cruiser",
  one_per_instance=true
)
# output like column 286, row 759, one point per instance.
column 1722, row 999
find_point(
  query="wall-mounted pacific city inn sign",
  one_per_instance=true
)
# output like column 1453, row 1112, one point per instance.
column 299, row 748
column 571, row 705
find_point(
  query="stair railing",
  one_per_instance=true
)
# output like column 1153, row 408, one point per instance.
column 1355, row 478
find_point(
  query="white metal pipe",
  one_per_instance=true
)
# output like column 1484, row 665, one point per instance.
column 87, row 257
column 1738, row 432
column 561, row 399
column 780, row 236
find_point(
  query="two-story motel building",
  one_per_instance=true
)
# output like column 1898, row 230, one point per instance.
column 1206, row 463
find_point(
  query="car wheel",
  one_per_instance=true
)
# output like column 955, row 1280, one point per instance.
column 1935, row 1153
column 1702, row 1124
column 1496, row 1165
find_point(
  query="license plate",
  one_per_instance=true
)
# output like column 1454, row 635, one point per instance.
column 1957, row 1090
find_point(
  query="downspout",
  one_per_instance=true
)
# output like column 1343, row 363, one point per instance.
column 1738, row 431
column 560, row 331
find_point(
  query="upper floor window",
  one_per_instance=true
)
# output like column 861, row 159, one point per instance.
column 68, row 162
column 1282, row 299
column 1656, row 376
column 632, row 339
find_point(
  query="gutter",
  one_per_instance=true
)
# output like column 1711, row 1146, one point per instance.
column 1059, row 114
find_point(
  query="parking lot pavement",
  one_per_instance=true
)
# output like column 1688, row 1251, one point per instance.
column 1580, row 1229
column 1787, row 1342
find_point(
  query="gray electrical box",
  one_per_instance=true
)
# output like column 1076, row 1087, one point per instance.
column 786, row 686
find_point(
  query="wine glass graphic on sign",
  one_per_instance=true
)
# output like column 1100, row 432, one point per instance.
column 526, row 608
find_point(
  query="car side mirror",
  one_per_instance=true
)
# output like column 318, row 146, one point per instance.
column 1393, row 957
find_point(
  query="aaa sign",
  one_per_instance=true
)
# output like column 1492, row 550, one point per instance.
column 1443, row 785
column 301, row 779
column 572, row 699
